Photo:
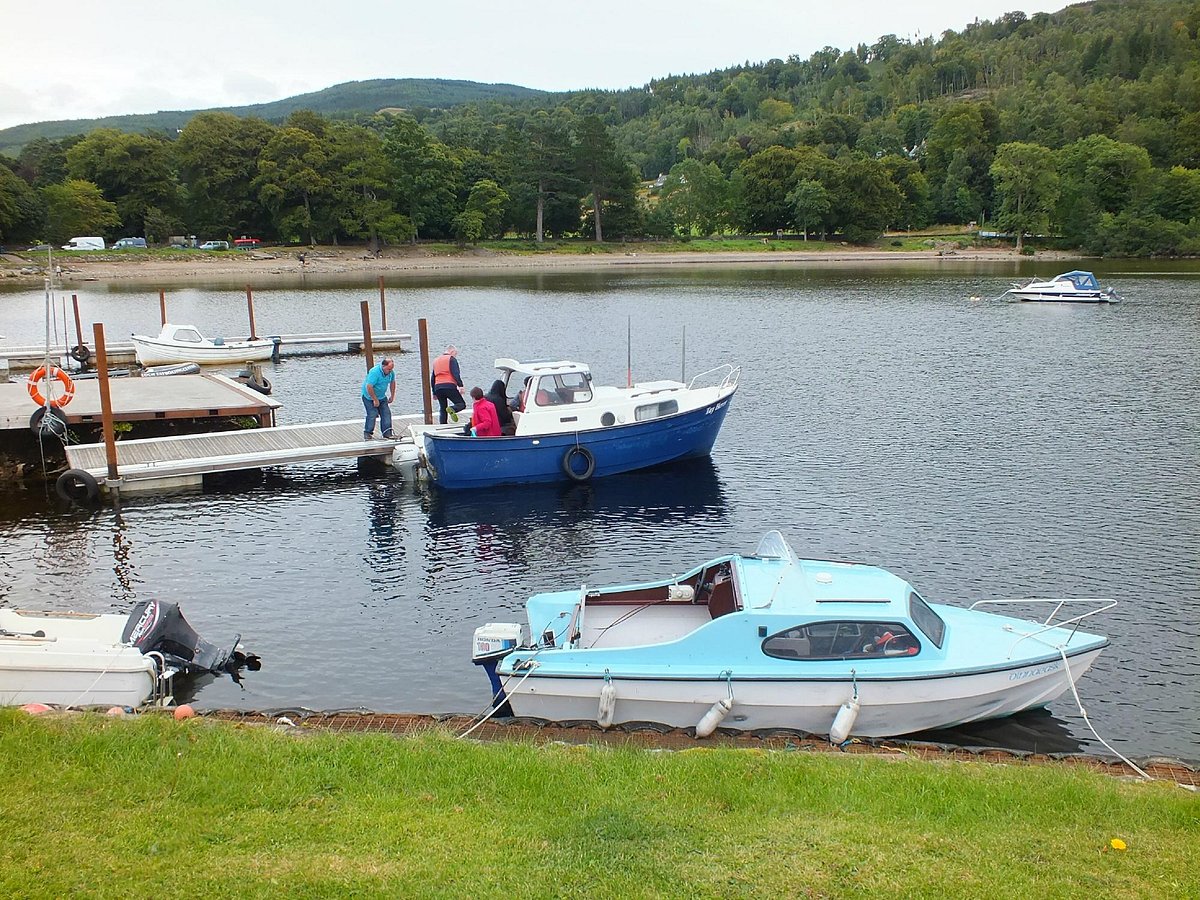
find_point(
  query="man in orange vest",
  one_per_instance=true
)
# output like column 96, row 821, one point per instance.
column 445, row 382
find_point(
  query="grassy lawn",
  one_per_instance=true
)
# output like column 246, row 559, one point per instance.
column 91, row 806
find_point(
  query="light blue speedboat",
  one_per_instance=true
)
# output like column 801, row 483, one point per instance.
column 772, row 641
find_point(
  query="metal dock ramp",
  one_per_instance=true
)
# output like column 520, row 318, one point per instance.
column 182, row 460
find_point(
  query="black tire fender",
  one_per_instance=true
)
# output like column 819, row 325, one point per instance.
column 77, row 486
column 80, row 353
column 569, row 459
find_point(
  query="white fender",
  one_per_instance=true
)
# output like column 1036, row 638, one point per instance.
column 608, row 704
column 711, row 719
column 843, row 722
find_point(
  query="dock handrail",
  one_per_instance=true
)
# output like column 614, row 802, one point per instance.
column 730, row 378
column 1100, row 604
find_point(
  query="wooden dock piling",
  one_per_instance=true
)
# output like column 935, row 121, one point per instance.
column 364, row 309
column 250, row 308
column 382, row 305
column 106, row 410
column 423, row 348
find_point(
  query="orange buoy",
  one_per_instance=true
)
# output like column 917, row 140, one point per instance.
column 63, row 378
column 184, row 712
column 36, row 709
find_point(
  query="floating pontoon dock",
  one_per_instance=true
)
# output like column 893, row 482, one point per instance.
column 30, row 356
column 202, row 396
column 154, row 463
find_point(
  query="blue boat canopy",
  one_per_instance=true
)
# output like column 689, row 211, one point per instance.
column 1083, row 281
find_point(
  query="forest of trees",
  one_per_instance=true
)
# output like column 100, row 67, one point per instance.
column 1082, row 125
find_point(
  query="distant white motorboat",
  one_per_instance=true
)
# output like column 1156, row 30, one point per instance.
column 1069, row 287
column 105, row 659
column 185, row 344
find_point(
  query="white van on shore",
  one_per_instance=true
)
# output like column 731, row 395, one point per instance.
column 84, row 243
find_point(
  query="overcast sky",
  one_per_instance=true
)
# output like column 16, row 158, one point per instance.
column 85, row 59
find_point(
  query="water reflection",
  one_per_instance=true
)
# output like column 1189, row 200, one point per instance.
column 1034, row 731
column 684, row 492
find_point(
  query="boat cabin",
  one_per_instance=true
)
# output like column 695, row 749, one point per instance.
column 804, row 609
column 1083, row 281
column 553, row 396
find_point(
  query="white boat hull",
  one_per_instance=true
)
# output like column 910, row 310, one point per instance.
column 1064, row 297
column 78, row 660
column 155, row 353
column 889, row 707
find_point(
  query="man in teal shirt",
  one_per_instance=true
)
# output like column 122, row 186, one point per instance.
column 378, row 392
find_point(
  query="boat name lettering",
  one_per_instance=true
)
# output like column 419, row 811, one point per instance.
column 1034, row 672
column 713, row 409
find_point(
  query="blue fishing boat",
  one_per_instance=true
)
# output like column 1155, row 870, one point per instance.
column 567, row 429
column 770, row 640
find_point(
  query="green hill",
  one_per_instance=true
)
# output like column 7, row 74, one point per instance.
column 339, row 101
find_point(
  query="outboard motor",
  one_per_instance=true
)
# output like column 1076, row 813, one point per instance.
column 493, row 642
column 155, row 627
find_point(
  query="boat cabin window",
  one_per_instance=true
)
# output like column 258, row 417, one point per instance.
column 559, row 390
column 843, row 640
column 188, row 334
column 656, row 410
column 927, row 620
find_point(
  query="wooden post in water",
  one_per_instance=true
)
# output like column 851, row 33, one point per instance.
column 250, row 307
column 162, row 306
column 364, row 309
column 382, row 306
column 423, row 341
column 106, row 413
column 78, row 328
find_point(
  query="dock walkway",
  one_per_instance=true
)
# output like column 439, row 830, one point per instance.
column 181, row 460
column 30, row 356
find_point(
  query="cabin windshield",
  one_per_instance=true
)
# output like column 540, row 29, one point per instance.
column 927, row 620
column 1084, row 281
column 188, row 334
column 558, row 390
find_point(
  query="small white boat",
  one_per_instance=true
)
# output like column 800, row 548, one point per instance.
column 1069, row 287
column 185, row 344
column 770, row 640
column 105, row 659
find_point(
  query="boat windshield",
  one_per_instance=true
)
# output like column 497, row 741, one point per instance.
column 1084, row 281
column 775, row 546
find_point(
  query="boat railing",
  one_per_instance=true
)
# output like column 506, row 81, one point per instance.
column 1052, row 622
column 729, row 376
column 575, row 626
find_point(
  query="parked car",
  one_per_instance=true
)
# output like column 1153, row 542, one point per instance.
column 124, row 243
column 215, row 245
column 246, row 243
column 84, row 243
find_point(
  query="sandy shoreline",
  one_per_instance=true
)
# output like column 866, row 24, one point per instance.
column 264, row 265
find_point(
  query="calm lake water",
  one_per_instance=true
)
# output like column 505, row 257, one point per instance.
column 979, row 448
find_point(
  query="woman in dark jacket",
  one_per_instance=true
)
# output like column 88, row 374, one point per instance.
column 500, row 401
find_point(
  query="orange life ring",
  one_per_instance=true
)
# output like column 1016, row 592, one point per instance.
column 64, row 379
